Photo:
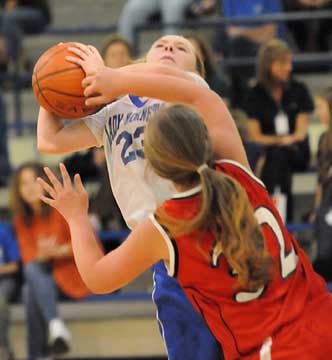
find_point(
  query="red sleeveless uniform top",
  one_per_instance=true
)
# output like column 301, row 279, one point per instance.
column 241, row 320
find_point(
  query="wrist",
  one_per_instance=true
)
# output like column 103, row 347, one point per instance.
column 77, row 219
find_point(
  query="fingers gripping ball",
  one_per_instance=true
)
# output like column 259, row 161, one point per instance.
column 57, row 84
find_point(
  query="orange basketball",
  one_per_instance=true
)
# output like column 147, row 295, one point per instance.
column 57, row 84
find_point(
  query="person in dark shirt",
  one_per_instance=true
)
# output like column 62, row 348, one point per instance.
column 278, row 107
column 20, row 17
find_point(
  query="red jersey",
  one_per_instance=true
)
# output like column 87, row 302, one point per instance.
column 241, row 320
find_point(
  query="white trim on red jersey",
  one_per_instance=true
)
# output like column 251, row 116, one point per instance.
column 170, row 265
column 246, row 170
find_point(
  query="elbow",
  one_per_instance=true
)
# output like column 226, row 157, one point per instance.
column 98, row 287
column 47, row 147
column 41, row 147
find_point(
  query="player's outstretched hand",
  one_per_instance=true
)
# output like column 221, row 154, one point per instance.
column 71, row 200
column 87, row 56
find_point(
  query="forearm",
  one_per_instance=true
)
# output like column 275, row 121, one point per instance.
column 257, row 34
column 181, row 91
column 301, row 129
column 155, row 68
column 56, row 138
column 318, row 196
column 267, row 139
column 48, row 126
column 86, row 249
column 207, row 103
column 9, row 268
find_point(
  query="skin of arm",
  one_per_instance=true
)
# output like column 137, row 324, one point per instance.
column 258, row 34
column 55, row 138
column 106, row 273
column 9, row 268
column 157, row 68
column 299, row 134
column 255, row 133
column 101, row 273
column 301, row 128
column 222, row 129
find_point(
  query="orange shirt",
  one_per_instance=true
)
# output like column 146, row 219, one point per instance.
column 42, row 229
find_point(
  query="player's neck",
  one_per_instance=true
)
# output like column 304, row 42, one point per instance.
column 182, row 188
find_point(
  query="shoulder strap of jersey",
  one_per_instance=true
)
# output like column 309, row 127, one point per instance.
column 172, row 265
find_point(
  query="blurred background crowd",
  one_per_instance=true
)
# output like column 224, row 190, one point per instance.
column 271, row 62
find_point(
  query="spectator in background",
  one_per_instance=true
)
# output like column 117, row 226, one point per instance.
column 44, row 242
column 5, row 167
column 255, row 151
column 198, row 8
column 322, row 216
column 314, row 34
column 104, row 210
column 243, row 40
column 138, row 12
column 20, row 17
column 213, row 74
column 9, row 264
column 116, row 51
column 278, row 107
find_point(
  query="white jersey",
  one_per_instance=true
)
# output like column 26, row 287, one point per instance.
column 119, row 127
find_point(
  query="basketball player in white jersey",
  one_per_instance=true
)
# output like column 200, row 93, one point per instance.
column 119, row 127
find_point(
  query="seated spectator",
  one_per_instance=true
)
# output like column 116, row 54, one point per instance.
column 319, row 121
column 255, row 151
column 322, row 216
column 9, row 263
column 44, row 242
column 245, row 39
column 278, row 108
column 213, row 74
column 310, row 35
column 4, row 156
column 104, row 210
column 20, row 17
column 201, row 7
column 116, row 51
column 138, row 12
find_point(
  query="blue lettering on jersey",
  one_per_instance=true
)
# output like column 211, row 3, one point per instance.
column 131, row 143
column 114, row 124
column 142, row 115
column 137, row 101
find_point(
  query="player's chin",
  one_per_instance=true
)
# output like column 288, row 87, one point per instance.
column 169, row 62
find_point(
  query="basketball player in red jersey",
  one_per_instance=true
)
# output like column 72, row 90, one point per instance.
column 220, row 235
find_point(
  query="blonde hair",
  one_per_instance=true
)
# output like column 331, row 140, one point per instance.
column 176, row 143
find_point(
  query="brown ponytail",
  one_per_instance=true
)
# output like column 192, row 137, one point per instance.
column 176, row 144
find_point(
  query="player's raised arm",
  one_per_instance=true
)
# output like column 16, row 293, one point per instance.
column 223, row 132
column 101, row 273
column 54, row 137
